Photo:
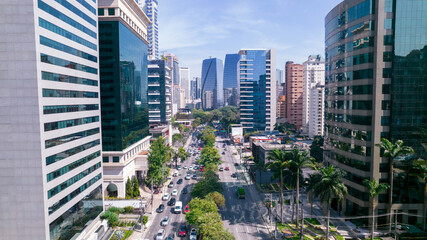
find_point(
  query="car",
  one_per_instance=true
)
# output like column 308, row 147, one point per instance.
column 165, row 221
column 160, row 234
column 179, row 168
column 156, row 191
column 236, row 164
column 171, row 202
column 194, row 176
column 185, row 167
column 223, row 153
column 190, row 168
column 165, row 197
column 161, row 208
column 186, row 209
column 193, row 234
column 221, row 169
column 184, row 191
column 201, row 169
column 187, row 177
column 170, row 237
column 174, row 192
column 170, row 185
column 196, row 167
column 182, row 231
column 179, row 181
column 227, row 169
column 234, row 175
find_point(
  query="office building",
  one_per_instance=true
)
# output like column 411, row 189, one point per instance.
column 375, row 70
column 207, row 99
column 294, row 89
column 174, row 65
column 50, row 170
column 124, row 83
column 231, row 79
column 313, row 82
column 279, row 77
column 212, row 80
column 281, row 107
column 184, row 74
column 159, row 92
column 150, row 9
column 257, row 79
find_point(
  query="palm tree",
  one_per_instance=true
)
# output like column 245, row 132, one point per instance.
column 298, row 161
column 392, row 151
column 375, row 189
column 311, row 181
column 328, row 187
column 420, row 167
column 279, row 162
column 260, row 166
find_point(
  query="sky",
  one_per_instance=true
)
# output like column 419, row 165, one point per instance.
column 198, row 29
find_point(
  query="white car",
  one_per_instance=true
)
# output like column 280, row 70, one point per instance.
column 187, row 177
column 179, row 168
column 165, row 221
column 165, row 197
column 160, row 234
column 190, row 168
column 185, row 167
column 193, row 234
column 174, row 192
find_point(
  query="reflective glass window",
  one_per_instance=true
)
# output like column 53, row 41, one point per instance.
column 61, row 171
column 68, row 79
column 64, row 48
column 69, row 123
column 67, row 64
column 70, row 152
column 388, row 23
column 77, row 11
column 70, row 137
column 68, row 94
column 69, row 108
column 100, row 11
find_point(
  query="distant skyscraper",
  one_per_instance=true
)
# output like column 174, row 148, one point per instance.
column 50, row 163
column 174, row 64
column 150, row 9
column 281, row 107
column 313, row 82
column 294, row 79
column 159, row 92
column 376, row 88
column 257, row 89
column 212, row 80
column 231, row 76
column 185, row 82
column 207, row 99
column 194, row 88
column 279, row 76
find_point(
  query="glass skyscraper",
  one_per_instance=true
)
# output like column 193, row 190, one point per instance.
column 375, row 72
column 150, row 9
column 212, row 81
column 257, row 77
column 231, row 71
column 50, row 170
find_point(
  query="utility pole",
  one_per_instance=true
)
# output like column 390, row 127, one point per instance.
column 302, row 221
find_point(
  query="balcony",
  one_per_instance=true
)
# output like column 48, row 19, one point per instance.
column 154, row 93
column 154, row 84
column 153, row 101
column 153, row 75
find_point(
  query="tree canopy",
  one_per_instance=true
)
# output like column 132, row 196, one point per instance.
column 159, row 155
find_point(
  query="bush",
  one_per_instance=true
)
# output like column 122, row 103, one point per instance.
column 129, row 209
column 116, row 210
column 113, row 219
column 144, row 220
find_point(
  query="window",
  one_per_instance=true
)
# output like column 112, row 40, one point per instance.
column 116, row 159
column 388, row 23
column 111, row 11
column 70, row 137
column 388, row 40
column 67, row 49
column 385, row 121
column 67, row 64
column 70, row 152
column 71, row 166
column 386, row 88
column 100, row 11
column 69, row 123
column 69, row 79
column 387, row 72
column 68, row 94
column 105, row 159
column 388, row 56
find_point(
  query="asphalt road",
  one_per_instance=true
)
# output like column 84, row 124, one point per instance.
column 240, row 216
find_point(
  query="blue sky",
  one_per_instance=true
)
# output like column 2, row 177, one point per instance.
column 196, row 29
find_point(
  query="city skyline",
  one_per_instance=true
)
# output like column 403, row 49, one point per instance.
column 225, row 27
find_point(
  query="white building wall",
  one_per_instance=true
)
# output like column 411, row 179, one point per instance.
column 317, row 109
column 184, row 74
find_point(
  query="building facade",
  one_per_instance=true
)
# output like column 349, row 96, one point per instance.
column 150, row 9
column 124, row 85
column 294, row 91
column 231, row 79
column 212, row 80
column 257, row 80
column 184, row 74
column 159, row 92
column 313, row 79
column 281, row 107
column 375, row 66
column 51, row 172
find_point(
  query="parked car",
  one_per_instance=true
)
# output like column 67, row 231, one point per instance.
column 179, row 181
column 171, row 202
column 193, row 234
column 165, row 221
column 194, row 176
column 174, row 192
column 165, row 197
column 234, row 175
column 221, row 169
column 201, row 169
column 196, row 167
column 170, row 185
column 186, row 209
column 170, row 237
column 236, row 164
column 227, row 168
column 190, row 168
column 187, row 177
column 160, row 234
column 179, row 168
column 185, row 167
column 161, row 208
column 182, row 231
column 184, row 191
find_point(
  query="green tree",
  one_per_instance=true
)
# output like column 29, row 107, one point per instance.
column 208, row 156
column 182, row 154
column 196, row 122
column 181, row 128
column 316, row 148
column 136, row 192
column 177, row 138
column 328, row 187
column 217, row 198
column 280, row 161
column 129, row 189
column 198, row 207
column 392, row 150
column 208, row 184
column 375, row 189
column 111, row 217
column 159, row 155
column 298, row 161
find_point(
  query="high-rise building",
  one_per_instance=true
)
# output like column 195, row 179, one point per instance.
column 50, row 166
column 375, row 73
column 184, row 73
column 124, row 82
column 231, row 79
column 195, row 88
column 313, row 82
column 281, row 107
column 294, row 89
column 279, row 75
column 212, row 80
column 159, row 92
column 150, row 9
column 257, row 80
column 182, row 102
column 207, row 99
column 174, row 65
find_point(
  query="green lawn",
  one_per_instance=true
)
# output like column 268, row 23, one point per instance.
column 313, row 221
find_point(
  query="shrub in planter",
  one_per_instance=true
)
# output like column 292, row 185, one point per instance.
column 129, row 209
column 116, row 210
column 144, row 220
column 113, row 219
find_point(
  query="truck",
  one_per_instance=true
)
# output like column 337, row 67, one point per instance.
column 178, row 207
column 240, row 193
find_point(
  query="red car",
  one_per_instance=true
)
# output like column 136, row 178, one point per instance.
column 186, row 209
column 227, row 168
column 201, row 169
column 182, row 231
